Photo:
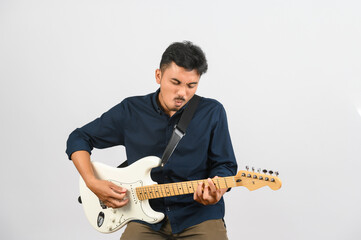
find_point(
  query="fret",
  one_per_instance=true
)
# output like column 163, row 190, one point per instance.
column 184, row 187
column 195, row 185
column 179, row 187
column 231, row 182
column 216, row 182
column 190, row 188
column 161, row 190
column 167, row 190
column 139, row 194
column 203, row 181
column 150, row 192
column 164, row 190
column 157, row 191
column 171, row 188
column 142, row 193
column 174, row 193
column 153, row 192
column 225, row 182
column 234, row 184
column 175, row 187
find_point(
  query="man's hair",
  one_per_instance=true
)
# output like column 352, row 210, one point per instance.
column 184, row 54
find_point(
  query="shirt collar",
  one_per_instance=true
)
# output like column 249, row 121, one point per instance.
column 155, row 102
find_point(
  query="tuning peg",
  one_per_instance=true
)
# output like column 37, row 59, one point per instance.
column 264, row 171
column 247, row 168
column 258, row 170
column 277, row 173
column 253, row 169
column 270, row 172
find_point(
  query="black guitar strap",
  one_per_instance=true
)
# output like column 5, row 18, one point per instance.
column 180, row 128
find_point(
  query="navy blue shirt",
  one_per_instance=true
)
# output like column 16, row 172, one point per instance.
column 139, row 124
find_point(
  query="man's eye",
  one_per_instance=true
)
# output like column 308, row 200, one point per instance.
column 191, row 85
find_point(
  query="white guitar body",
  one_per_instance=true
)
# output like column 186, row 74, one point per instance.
column 140, row 187
column 107, row 220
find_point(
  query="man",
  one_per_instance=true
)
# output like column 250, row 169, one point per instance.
column 144, row 125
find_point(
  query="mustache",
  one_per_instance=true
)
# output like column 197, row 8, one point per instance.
column 179, row 98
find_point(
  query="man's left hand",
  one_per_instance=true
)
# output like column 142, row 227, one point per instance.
column 208, row 195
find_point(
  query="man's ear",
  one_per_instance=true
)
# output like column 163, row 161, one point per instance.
column 158, row 75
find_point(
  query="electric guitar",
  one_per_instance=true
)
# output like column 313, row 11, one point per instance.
column 140, row 187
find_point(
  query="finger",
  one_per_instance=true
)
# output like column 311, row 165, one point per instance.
column 120, row 190
column 195, row 195
column 117, row 188
column 198, row 193
column 118, row 197
column 122, row 203
column 200, row 190
column 206, row 197
column 116, row 191
column 116, row 203
column 212, row 187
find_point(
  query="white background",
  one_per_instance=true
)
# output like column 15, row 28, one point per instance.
column 287, row 72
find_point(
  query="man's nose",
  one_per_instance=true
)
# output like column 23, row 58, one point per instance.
column 182, row 91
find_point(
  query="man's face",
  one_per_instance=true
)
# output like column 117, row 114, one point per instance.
column 177, row 87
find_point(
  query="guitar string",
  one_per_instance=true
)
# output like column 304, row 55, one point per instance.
column 228, row 182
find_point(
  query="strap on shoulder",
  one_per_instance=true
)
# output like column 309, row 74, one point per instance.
column 180, row 128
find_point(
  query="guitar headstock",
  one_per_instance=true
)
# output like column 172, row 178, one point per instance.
column 254, row 180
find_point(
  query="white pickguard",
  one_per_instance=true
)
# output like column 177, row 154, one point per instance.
column 107, row 220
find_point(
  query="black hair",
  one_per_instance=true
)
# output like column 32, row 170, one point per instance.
column 185, row 54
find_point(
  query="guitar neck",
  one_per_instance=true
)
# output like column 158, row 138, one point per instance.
column 181, row 188
column 250, row 180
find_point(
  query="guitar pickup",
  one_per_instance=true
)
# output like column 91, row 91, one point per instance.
column 102, row 204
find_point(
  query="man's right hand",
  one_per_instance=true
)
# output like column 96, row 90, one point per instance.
column 109, row 193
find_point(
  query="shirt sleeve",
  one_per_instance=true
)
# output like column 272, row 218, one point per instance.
column 221, row 155
column 105, row 131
